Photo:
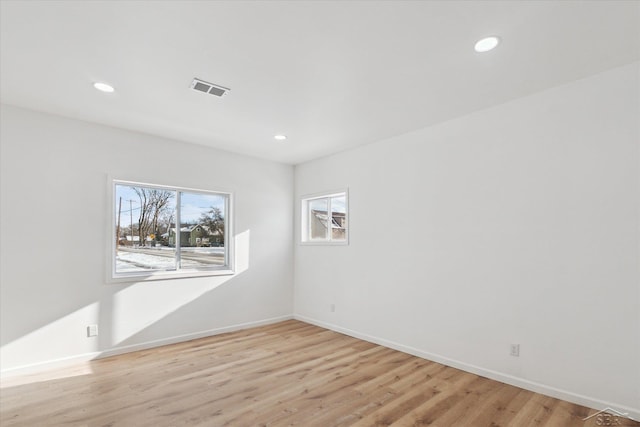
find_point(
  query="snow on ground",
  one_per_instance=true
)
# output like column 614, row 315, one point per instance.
column 133, row 261
column 129, row 261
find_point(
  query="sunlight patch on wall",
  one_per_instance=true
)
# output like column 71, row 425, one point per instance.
column 42, row 343
column 242, row 241
column 140, row 306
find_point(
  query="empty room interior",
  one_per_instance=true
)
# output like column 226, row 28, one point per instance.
column 320, row 213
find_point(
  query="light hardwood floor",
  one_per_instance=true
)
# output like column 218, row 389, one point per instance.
column 289, row 373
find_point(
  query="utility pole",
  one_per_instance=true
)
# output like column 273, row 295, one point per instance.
column 118, row 226
column 131, row 218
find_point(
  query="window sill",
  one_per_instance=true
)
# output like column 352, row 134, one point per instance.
column 326, row 243
column 168, row 275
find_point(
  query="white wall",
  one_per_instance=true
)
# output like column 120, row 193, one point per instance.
column 54, row 218
column 516, row 224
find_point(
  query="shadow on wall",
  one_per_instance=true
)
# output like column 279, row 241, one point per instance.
column 135, row 313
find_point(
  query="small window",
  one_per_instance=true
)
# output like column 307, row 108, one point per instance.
column 162, row 232
column 324, row 218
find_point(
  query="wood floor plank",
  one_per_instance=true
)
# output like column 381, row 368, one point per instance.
column 489, row 409
column 536, row 412
column 433, row 390
column 567, row 414
column 288, row 394
column 462, row 402
column 284, row 374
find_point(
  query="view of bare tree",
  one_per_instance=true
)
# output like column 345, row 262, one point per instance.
column 160, row 204
column 214, row 220
column 152, row 203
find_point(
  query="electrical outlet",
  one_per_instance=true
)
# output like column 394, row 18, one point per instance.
column 515, row 350
column 92, row 331
column 332, row 308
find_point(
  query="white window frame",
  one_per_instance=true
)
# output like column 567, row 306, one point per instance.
column 179, row 273
column 305, row 238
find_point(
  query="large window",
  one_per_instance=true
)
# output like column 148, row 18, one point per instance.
column 160, row 231
column 324, row 218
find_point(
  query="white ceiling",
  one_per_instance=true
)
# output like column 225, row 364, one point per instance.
column 331, row 75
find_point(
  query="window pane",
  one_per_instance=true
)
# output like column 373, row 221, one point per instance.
column 318, row 219
column 202, row 230
column 143, row 219
column 338, row 218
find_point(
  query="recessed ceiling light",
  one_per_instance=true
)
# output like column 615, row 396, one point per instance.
column 487, row 43
column 103, row 87
column 280, row 137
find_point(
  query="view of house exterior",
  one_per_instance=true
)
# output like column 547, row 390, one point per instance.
column 319, row 224
column 197, row 235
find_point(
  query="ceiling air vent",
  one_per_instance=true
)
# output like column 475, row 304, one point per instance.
column 210, row 88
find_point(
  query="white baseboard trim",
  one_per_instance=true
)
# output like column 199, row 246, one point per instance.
column 48, row 365
column 86, row 357
column 633, row 413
